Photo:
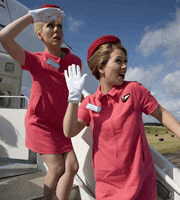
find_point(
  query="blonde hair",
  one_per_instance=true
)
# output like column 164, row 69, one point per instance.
column 38, row 27
column 101, row 56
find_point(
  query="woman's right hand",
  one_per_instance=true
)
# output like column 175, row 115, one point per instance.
column 46, row 14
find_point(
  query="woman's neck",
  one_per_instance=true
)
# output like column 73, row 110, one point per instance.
column 105, row 87
column 56, row 52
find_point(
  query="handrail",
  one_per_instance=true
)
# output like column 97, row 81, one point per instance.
column 168, row 179
column 1, row 25
column 162, row 172
column 15, row 97
column 85, row 93
column 2, row 6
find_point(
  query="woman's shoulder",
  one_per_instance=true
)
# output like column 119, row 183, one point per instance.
column 68, row 52
column 134, row 87
column 132, row 84
column 71, row 58
column 89, row 98
column 35, row 54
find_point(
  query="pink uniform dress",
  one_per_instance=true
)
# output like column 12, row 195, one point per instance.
column 48, row 102
column 123, row 165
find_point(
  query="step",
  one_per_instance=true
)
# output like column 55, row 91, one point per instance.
column 75, row 194
column 22, row 187
column 17, row 169
column 28, row 187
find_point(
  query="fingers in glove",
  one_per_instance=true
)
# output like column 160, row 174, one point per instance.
column 73, row 70
column 70, row 71
column 66, row 75
column 78, row 71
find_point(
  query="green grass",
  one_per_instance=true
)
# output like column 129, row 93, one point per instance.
column 170, row 144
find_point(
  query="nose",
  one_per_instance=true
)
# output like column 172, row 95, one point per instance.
column 55, row 29
column 124, row 66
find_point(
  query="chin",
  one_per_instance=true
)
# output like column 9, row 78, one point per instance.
column 121, row 82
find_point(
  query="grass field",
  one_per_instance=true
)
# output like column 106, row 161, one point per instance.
column 171, row 142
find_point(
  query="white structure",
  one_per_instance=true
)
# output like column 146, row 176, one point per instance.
column 12, row 131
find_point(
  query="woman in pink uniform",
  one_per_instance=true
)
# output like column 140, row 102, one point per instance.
column 48, row 100
column 122, row 160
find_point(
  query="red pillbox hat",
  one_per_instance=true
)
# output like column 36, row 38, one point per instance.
column 50, row 6
column 102, row 40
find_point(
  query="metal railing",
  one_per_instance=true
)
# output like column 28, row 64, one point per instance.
column 162, row 172
column 20, row 97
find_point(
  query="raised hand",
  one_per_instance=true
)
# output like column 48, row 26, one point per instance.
column 74, row 83
column 46, row 14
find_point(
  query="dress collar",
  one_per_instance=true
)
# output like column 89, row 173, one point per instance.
column 112, row 92
column 55, row 58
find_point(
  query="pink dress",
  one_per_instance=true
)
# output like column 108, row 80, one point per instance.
column 48, row 102
column 123, row 165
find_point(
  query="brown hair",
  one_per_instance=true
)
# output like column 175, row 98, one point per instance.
column 101, row 56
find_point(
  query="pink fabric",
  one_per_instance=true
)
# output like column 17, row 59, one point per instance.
column 48, row 103
column 122, row 159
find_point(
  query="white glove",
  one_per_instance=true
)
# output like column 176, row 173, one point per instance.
column 46, row 14
column 74, row 83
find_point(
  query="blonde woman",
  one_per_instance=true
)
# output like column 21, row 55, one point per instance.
column 49, row 94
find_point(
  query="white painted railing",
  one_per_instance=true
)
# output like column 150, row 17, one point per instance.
column 168, row 179
column 20, row 97
column 167, row 171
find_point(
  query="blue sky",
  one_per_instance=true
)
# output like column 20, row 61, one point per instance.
column 150, row 30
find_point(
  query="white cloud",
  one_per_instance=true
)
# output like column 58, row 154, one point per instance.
column 166, row 39
column 74, row 24
column 171, row 82
column 146, row 78
column 172, row 106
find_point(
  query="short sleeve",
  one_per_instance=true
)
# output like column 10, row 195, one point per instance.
column 146, row 101
column 83, row 112
column 76, row 60
column 31, row 60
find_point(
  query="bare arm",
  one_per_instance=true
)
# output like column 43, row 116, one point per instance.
column 8, row 34
column 71, row 124
column 167, row 119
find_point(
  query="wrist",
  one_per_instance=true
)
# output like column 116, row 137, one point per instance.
column 73, row 101
column 30, row 18
column 74, row 97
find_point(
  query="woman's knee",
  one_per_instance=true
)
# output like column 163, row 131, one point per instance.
column 55, row 164
column 74, row 167
column 56, row 169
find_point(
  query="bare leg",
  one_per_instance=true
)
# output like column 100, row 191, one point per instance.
column 56, row 167
column 65, row 183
